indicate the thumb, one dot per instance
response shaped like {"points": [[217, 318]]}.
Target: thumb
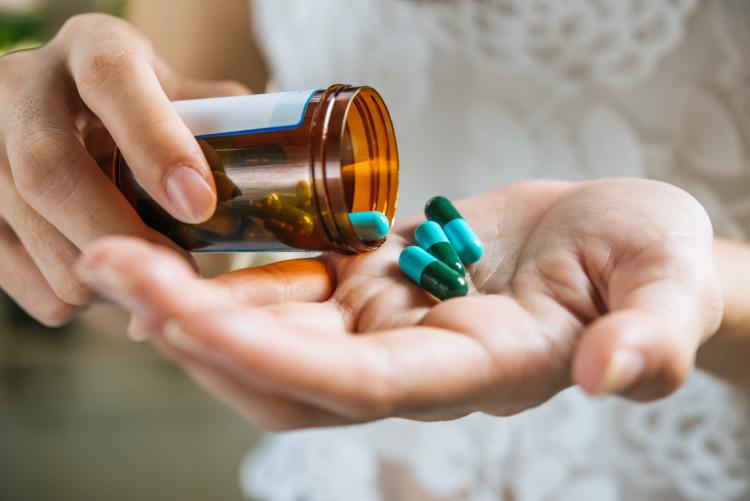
{"points": [[646, 347]]}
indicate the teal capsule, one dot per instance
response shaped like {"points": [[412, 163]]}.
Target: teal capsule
{"points": [[370, 226], [432, 275], [467, 244], [431, 237]]}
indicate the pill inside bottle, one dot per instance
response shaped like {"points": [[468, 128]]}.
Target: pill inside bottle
{"points": [[293, 171]]}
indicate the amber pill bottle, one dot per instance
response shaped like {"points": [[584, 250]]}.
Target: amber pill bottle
{"points": [[289, 169]]}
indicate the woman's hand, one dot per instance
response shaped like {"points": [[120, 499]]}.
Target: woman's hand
{"points": [[60, 107], [607, 284]]}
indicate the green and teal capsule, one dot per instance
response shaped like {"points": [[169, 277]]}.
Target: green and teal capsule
{"points": [[432, 275], [431, 237], [466, 243], [370, 226]]}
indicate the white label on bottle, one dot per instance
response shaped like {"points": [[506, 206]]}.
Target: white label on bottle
{"points": [[224, 116]]}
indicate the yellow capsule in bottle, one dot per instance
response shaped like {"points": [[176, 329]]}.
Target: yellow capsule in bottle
{"points": [[304, 194], [285, 158]]}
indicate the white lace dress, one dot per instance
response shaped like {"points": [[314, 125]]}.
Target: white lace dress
{"points": [[484, 92]]}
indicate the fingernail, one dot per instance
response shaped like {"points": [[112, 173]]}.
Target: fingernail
{"points": [[175, 335], [190, 194], [115, 287], [104, 276], [625, 368]]}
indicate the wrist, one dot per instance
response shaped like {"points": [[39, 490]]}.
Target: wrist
{"points": [[727, 353]]}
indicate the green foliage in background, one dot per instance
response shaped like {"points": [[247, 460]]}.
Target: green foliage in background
{"points": [[22, 31]]}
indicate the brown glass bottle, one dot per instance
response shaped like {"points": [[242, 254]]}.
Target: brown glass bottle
{"points": [[290, 187]]}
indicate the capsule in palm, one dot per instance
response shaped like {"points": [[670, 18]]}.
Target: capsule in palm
{"points": [[467, 244], [432, 275], [431, 237]]}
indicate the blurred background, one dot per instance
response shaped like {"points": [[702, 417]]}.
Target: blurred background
{"points": [[84, 412]]}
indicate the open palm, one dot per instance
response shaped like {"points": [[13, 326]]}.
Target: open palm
{"points": [[608, 284]]}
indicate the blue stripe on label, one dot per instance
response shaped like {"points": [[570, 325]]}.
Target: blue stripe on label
{"points": [[287, 111], [282, 114]]}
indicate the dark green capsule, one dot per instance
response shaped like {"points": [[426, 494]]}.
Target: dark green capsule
{"points": [[431, 237], [432, 275], [467, 244], [441, 210]]}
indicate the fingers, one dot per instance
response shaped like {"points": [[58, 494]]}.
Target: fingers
{"points": [[304, 280], [298, 351], [225, 382], [167, 284], [22, 281], [633, 353], [145, 278], [266, 410], [303, 352], [360, 377], [53, 254], [334, 372], [55, 196], [646, 347], [113, 69], [55, 175]]}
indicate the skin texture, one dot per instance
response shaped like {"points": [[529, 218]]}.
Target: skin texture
{"points": [[607, 284], [62, 109], [727, 353]]}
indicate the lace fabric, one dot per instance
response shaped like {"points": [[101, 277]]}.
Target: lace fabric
{"points": [[514, 89]]}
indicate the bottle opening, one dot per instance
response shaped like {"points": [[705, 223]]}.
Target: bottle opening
{"points": [[361, 165]]}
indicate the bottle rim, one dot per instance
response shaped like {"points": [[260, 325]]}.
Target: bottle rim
{"points": [[375, 179]]}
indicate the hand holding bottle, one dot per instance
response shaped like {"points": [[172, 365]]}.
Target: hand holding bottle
{"points": [[61, 106]]}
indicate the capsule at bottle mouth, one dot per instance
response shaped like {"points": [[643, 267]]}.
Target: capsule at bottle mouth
{"points": [[356, 169]]}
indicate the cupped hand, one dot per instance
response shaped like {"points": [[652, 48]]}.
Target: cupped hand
{"points": [[607, 284], [60, 108]]}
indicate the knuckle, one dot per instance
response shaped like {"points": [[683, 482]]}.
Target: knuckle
{"points": [[107, 64], [39, 156]]}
